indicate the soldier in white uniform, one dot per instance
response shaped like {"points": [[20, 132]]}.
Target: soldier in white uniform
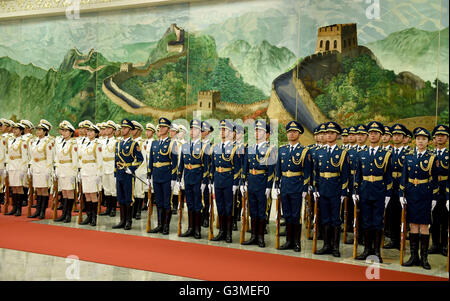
{"points": [[150, 130], [28, 138], [108, 179], [141, 172], [66, 162], [4, 138], [91, 162], [17, 163], [41, 162]]}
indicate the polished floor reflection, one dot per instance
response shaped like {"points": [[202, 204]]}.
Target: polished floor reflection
{"points": [[17, 265]]}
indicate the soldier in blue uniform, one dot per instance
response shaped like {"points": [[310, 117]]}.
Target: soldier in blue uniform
{"points": [[128, 157], [258, 171], [344, 136], [439, 225], [372, 190], [407, 139], [394, 210], [207, 129], [386, 139], [419, 190], [292, 178], [332, 170], [194, 162], [241, 149], [225, 176], [352, 150], [162, 165]]}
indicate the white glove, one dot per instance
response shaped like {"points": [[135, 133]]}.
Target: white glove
{"points": [[211, 188], [355, 198], [235, 188], [386, 201], [97, 180], [403, 201], [128, 171], [149, 182], [79, 177], [202, 187], [433, 204], [29, 172], [316, 196], [304, 195], [446, 204], [268, 192], [342, 199], [172, 184], [310, 189], [275, 193], [180, 185], [242, 189]]}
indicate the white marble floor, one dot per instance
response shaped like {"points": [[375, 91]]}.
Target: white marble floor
{"points": [[17, 265]]}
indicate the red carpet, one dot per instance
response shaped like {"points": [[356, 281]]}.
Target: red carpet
{"points": [[191, 260]]}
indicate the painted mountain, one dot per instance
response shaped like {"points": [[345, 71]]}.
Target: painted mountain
{"points": [[259, 64], [415, 50]]}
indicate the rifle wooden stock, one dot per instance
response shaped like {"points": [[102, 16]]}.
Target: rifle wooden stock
{"points": [[403, 234], [345, 218], [5, 209], [308, 215], [100, 199], [211, 215], [277, 229], [244, 213], [355, 230], [30, 195], [55, 198], [316, 222], [80, 212], [180, 212], [150, 209]]}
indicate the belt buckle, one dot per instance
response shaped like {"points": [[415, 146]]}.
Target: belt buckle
{"points": [[416, 182], [36, 160], [189, 166], [253, 171], [220, 169]]}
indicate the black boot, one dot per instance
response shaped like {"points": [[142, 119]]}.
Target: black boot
{"points": [[14, 204], [261, 227], [160, 214], [336, 239], [68, 218], [253, 238], [424, 243], [38, 207], [166, 223], [128, 217], [297, 234], [289, 237], [121, 224], [436, 247], [94, 210], [377, 244], [414, 246], [63, 212], [205, 217], [197, 226], [21, 199], [222, 229], [190, 230], [44, 206], [367, 246], [113, 201], [326, 249], [61, 203], [229, 237], [108, 206], [138, 208], [88, 206]]}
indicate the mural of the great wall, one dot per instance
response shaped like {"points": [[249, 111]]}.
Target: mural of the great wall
{"points": [[273, 61]]}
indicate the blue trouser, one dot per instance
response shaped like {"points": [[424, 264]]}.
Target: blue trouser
{"points": [[257, 203], [125, 188], [162, 194], [291, 204], [372, 214], [194, 197], [330, 210], [224, 200]]}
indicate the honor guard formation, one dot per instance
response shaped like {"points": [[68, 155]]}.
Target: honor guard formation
{"points": [[372, 186]]}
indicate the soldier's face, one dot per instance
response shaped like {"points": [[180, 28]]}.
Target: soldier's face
{"points": [[374, 137], [108, 131], [239, 136], [195, 133], [149, 133], [16, 132], [163, 130], [345, 139], [331, 137], [65, 133], [125, 131], [351, 138], [386, 138], [91, 134], [405, 140], [293, 136], [361, 138], [40, 133], [422, 142], [441, 139], [397, 138], [260, 134]]}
